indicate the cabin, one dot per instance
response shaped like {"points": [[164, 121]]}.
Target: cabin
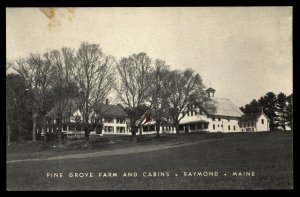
{"points": [[254, 122], [148, 124]]}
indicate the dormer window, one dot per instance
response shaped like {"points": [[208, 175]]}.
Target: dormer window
{"points": [[262, 121]]}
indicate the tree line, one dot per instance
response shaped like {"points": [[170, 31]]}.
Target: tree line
{"points": [[278, 108], [88, 75]]}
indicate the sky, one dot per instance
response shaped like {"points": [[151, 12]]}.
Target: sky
{"points": [[242, 52]]}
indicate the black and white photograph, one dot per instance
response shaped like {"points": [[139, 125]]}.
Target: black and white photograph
{"points": [[149, 98]]}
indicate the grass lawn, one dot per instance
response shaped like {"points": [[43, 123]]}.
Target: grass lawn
{"points": [[269, 155]]}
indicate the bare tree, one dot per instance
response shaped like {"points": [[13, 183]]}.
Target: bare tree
{"points": [[17, 96], [187, 89], [159, 92], [8, 105], [133, 89], [63, 67], [94, 77], [37, 74]]}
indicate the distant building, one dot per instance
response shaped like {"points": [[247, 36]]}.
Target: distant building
{"points": [[255, 122], [113, 118], [226, 118], [148, 125]]}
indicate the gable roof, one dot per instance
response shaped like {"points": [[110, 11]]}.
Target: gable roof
{"points": [[70, 108], [110, 110], [210, 90], [103, 109], [252, 117], [224, 107]]}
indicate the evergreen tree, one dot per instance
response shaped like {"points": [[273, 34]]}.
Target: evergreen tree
{"points": [[289, 111], [268, 103], [281, 105]]}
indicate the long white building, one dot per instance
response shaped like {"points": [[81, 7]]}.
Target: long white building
{"points": [[226, 118]]}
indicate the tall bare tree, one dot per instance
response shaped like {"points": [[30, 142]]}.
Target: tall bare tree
{"points": [[94, 77], [8, 105], [63, 67], [159, 92], [17, 100], [37, 73], [133, 89], [187, 90]]}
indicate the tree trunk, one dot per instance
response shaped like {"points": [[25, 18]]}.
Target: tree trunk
{"points": [[8, 133], [86, 133], [44, 128], [157, 129], [19, 134], [59, 133], [34, 127], [177, 128], [186, 129], [133, 134]]}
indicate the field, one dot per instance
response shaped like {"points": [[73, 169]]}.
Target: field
{"points": [[165, 163]]}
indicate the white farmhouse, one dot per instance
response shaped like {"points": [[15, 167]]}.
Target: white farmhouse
{"points": [[226, 118], [113, 119]]}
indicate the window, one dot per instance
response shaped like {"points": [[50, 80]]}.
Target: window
{"points": [[205, 126], [228, 127], [228, 120], [219, 119], [234, 128], [109, 129], [213, 126], [77, 119], [120, 129], [218, 125], [145, 129], [262, 121], [248, 124], [213, 118], [151, 128]]}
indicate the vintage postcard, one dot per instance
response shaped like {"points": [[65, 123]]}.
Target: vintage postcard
{"points": [[149, 98]]}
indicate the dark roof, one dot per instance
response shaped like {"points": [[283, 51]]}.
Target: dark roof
{"points": [[105, 110], [210, 90], [70, 108], [224, 107], [110, 110], [250, 117]]}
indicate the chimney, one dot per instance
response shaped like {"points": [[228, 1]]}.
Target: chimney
{"points": [[210, 92], [106, 101]]}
